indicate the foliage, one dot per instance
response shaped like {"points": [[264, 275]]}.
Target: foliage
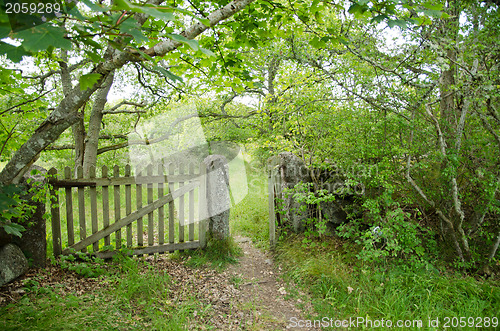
{"points": [[10, 207], [342, 287], [83, 264]]}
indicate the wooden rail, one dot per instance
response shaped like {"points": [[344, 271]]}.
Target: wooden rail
{"points": [[97, 225]]}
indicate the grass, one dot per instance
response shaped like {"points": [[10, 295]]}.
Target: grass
{"points": [[133, 300], [341, 289], [250, 216], [218, 254]]}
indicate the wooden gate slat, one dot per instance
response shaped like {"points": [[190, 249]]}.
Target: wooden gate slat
{"points": [[105, 206], [171, 207], [161, 210], [138, 203], [202, 210], [56, 217], [70, 228], [191, 206], [118, 233], [128, 205], [93, 208], [76, 182], [272, 215], [81, 208], [150, 215], [181, 207], [132, 217]]}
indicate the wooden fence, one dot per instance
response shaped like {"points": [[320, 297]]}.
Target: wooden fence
{"points": [[274, 189], [167, 183]]}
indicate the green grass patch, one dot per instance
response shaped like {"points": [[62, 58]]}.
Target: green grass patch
{"points": [[250, 216], [218, 254], [136, 297], [342, 290]]}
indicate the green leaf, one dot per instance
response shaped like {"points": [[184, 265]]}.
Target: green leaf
{"points": [[14, 229], [207, 52], [204, 21], [401, 23], [15, 54], [160, 12], [42, 37], [131, 27], [95, 7], [317, 43], [191, 42], [432, 13], [165, 73], [379, 18], [88, 81], [432, 6], [95, 57]]}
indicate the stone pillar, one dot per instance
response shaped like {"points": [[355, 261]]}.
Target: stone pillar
{"points": [[291, 170], [218, 196]]}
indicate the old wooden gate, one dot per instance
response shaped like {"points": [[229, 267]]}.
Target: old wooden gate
{"points": [[177, 188]]}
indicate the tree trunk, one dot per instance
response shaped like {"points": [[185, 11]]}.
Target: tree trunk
{"points": [[90, 155], [79, 138]]}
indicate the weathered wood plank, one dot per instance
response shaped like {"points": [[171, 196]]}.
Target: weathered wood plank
{"points": [[272, 215], [56, 217], [202, 206], [181, 207], [128, 205], [132, 217], [151, 234], [77, 182], [93, 207], [138, 203], [118, 233], [154, 249], [161, 210], [70, 228], [81, 208], [191, 207], [171, 207], [105, 206]]}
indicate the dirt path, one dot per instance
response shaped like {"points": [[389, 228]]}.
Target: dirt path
{"points": [[263, 297]]}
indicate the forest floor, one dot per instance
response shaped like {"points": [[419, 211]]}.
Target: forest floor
{"points": [[249, 295]]}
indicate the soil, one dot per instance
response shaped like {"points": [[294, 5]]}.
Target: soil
{"points": [[271, 302], [249, 295]]}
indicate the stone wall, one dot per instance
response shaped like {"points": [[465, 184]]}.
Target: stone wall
{"points": [[287, 170], [290, 170]]}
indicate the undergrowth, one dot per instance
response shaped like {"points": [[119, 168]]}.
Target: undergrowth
{"points": [[131, 295], [218, 254], [344, 287]]}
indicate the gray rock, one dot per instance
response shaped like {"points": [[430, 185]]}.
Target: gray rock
{"points": [[13, 263], [218, 195], [290, 171]]}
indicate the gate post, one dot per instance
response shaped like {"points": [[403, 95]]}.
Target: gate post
{"points": [[218, 196]]}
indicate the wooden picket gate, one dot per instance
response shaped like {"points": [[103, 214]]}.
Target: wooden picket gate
{"points": [[168, 183]]}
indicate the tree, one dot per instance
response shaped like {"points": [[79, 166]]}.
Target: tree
{"points": [[119, 51]]}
